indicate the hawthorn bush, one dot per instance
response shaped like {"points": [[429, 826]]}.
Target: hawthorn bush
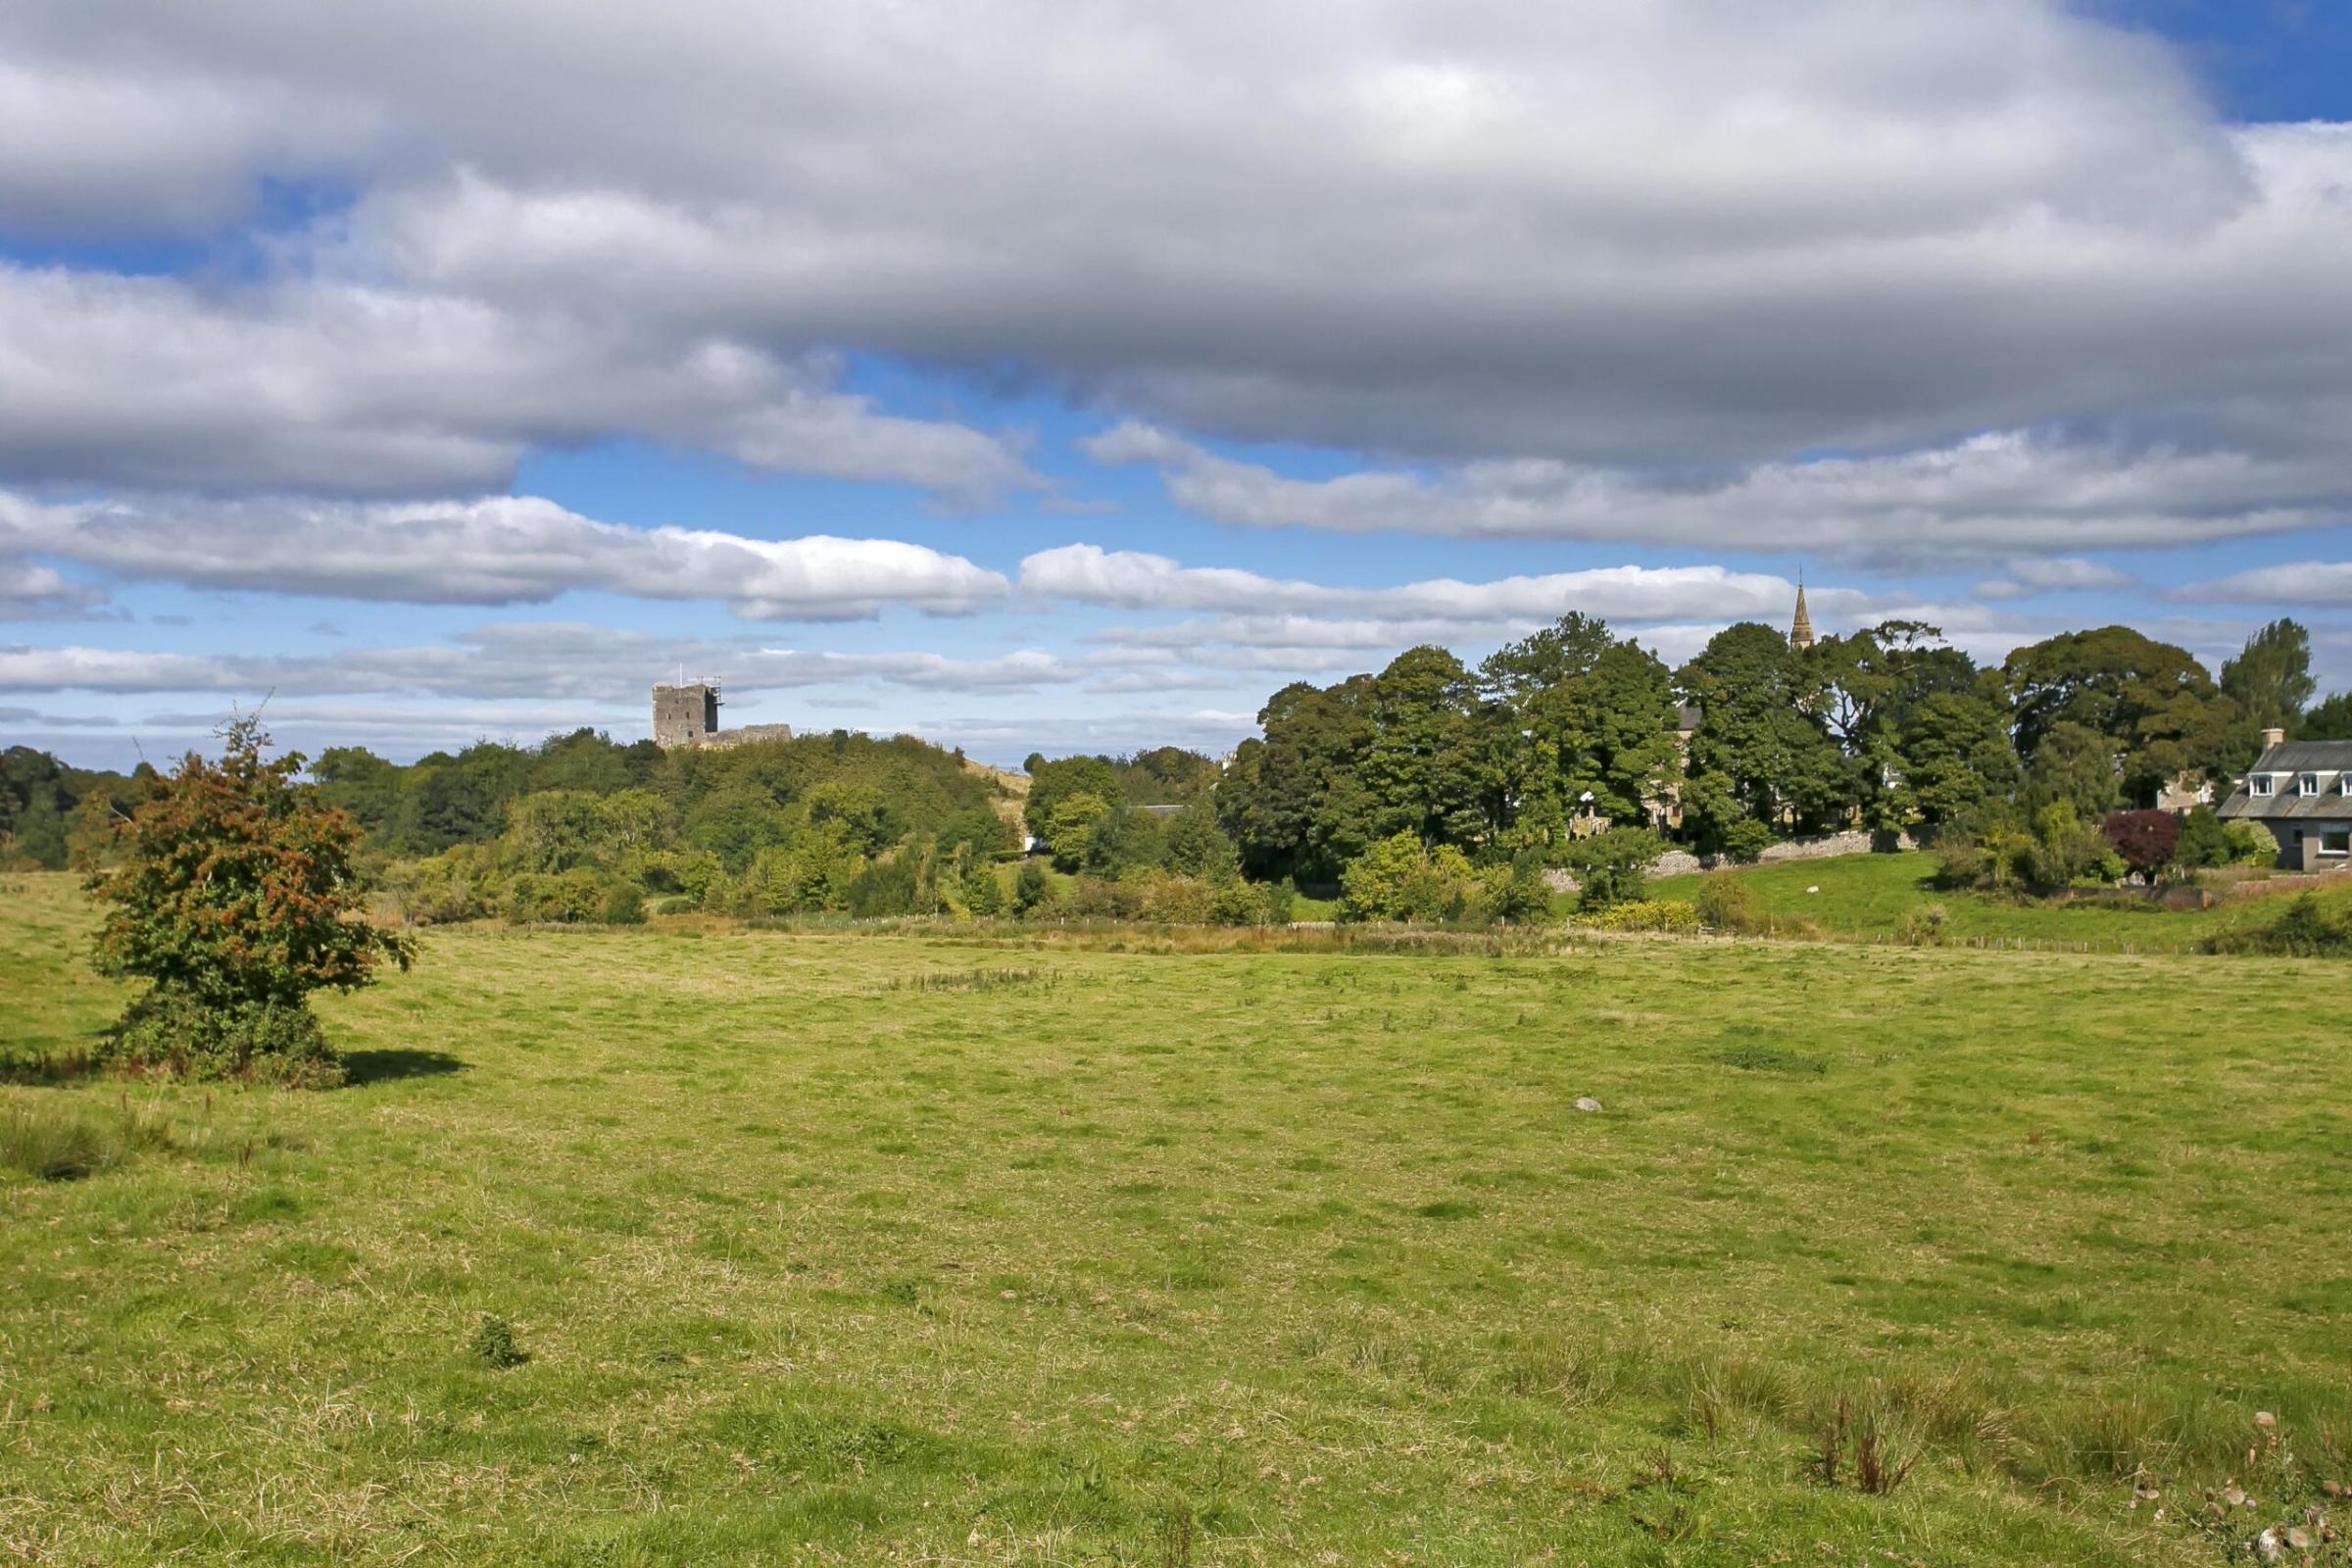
{"points": [[235, 899]]}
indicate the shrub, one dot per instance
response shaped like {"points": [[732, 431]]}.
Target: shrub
{"points": [[1726, 903], [1097, 898], [1234, 902], [625, 904], [1644, 915], [237, 896], [1925, 926], [1280, 898], [1179, 901], [170, 1030], [1518, 893], [2204, 841], [2146, 840], [1746, 840], [2303, 930], [566, 898], [1401, 878], [1032, 894], [1612, 867], [2250, 844], [454, 885]]}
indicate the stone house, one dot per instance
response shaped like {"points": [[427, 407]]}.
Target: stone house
{"points": [[2301, 790]]}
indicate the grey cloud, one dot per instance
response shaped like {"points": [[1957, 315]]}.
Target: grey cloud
{"points": [[29, 715], [352, 388], [1991, 495], [1681, 233]]}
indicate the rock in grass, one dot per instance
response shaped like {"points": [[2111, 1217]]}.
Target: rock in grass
{"points": [[1586, 1102]]}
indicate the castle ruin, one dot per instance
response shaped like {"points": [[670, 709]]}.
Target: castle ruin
{"points": [[687, 716]]}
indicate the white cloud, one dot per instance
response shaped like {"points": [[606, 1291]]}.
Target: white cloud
{"points": [[1136, 580], [491, 550], [2323, 583], [534, 661], [29, 592]]}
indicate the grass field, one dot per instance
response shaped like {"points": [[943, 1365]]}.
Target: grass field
{"points": [[1869, 895], [839, 1248]]}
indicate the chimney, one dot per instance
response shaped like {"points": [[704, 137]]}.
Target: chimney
{"points": [[2274, 736]]}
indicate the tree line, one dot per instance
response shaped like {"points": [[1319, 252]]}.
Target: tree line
{"points": [[1564, 749], [1557, 735]]}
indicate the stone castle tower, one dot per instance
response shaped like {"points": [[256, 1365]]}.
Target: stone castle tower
{"points": [[1800, 630], [687, 714]]}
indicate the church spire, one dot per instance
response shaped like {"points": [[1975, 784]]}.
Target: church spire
{"points": [[1800, 630]]}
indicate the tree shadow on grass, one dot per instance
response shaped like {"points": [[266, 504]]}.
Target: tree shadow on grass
{"points": [[361, 1067]]}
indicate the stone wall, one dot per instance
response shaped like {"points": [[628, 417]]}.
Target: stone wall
{"points": [[745, 735], [1681, 863]]}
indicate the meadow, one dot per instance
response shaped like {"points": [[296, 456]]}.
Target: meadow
{"points": [[692, 1243], [1868, 897]]}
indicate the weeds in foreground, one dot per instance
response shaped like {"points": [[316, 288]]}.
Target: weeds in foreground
{"points": [[979, 979], [494, 1344], [56, 1143]]}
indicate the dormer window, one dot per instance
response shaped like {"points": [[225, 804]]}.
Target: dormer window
{"points": [[2307, 784], [2343, 783], [2258, 785]]}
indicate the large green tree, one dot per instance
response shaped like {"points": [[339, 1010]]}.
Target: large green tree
{"points": [[2270, 678], [1956, 758], [1051, 783], [2158, 708], [1296, 803], [1425, 762], [1760, 727]]}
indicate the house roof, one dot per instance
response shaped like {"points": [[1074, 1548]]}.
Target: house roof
{"points": [[2329, 758], [2306, 757]]}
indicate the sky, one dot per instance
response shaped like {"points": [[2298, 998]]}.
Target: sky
{"points": [[1032, 376]]}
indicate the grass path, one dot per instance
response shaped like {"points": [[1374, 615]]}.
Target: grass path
{"points": [[1216, 1258]]}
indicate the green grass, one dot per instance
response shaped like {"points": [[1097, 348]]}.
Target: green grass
{"points": [[1869, 895], [695, 1244]]}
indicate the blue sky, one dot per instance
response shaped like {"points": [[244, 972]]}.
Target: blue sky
{"points": [[1032, 379]]}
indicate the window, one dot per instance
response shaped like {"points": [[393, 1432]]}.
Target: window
{"points": [[2336, 841], [2258, 784], [2308, 784], [2344, 782]]}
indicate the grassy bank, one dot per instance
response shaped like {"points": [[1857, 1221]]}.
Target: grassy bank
{"points": [[854, 1249]]}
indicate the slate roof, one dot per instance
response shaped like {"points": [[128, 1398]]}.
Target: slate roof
{"points": [[2331, 759]]}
